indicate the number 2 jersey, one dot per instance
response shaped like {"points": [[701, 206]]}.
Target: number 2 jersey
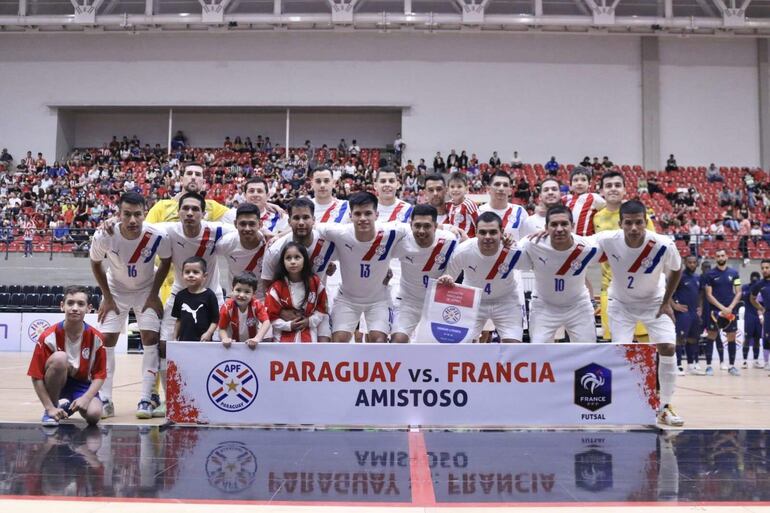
{"points": [[130, 263], [639, 273]]}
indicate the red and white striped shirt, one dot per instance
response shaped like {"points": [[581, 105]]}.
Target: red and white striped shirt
{"points": [[463, 216], [584, 207], [87, 357]]}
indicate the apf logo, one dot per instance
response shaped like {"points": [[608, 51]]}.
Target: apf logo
{"points": [[232, 386], [451, 315], [593, 387], [36, 328], [231, 467]]}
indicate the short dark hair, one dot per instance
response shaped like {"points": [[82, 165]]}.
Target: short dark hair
{"points": [[765, 261], [247, 278], [195, 196], [490, 217], [612, 174], [189, 163], [132, 198], [753, 275], [558, 209], [71, 290], [631, 207], [360, 199], [302, 203], [425, 210], [503, 174], [248, 209], [580, 170], [434, 178], [550, 179], [458, 177], [385, 169], [196, 260], [254, 181], [319, 169]]}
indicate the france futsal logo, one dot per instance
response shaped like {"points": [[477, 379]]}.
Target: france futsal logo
{"points": [[593, 387], [232, 386]]}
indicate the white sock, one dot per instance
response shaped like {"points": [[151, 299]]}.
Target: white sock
{"points": [[150, 362], [667, 378], [106, 391], [163, 367]]}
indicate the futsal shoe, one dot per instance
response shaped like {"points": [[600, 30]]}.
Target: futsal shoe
{"points": [[668, 417], [758, 364], [108, 409], [694, 370], [723, 366], [745, 364], [680, 371], [144, 410], [160, 411], [709, 370], [734, 371], [48, 421]]}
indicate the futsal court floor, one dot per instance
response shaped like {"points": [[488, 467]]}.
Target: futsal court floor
{"points": [[719, 462]]}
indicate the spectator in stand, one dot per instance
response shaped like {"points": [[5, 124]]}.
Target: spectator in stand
{"points": [[744, 231], [726, 198], [670, 190], [267, 146], [552, 167], [462, 161], [28, 229], [756, 232], [6, 159], [696, 236], [596, 165], [652, 184], [641, 185], [473, 165], [451, 160], [179, 142], [717, 230], [713, 174], [228, 144], [516, 161], [27, 163], [729, 221], [398, 147], [671, 163], [422, 169], [7, 231], [438, 163], [766, 231], [586, 162], [607, 163], [751, 198], [342, 148], [523, 191], [40, 163], [494, 161], [354, 149]]}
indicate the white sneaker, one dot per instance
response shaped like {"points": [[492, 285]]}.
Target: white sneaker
{"points": [[696, 371], [734, 371], [745, 364], [668, 417], [680, 371], [723, 366], [758, 364]]}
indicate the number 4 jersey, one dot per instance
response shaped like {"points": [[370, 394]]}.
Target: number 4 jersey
{"points": [[130, 263]]}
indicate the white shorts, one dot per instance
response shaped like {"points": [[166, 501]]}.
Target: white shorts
{"points": [[406, 316], [346, 315], [168, 323], [623, 318], [545, 320], [506, 316], [126, 301]]}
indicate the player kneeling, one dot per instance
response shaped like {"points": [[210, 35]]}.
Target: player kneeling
{"points": [[69, 364]]}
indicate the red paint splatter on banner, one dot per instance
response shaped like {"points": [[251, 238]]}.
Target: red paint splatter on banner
{"points": [[179, 408], [642, 358]]}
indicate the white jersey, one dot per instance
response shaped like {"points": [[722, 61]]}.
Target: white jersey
{"points": [[533, 224], [240, 259], [638, 274], [203, 245], [583, 207], [321, 252], [273, 222], [130, 263], [364, 264], [400, 211], [560, 276], [337, 211], [492, 274], [513, 217], [418, 264]]}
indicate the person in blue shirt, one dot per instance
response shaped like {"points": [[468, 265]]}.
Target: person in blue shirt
{"points": [[687, 312], [762, 288], [752, 327], [723, 292], [552, 167]]}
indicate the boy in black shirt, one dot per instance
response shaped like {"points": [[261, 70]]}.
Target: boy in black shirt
{"points": [[195, 308]]}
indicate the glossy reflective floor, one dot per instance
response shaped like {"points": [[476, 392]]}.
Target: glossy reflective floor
{"points": [[386, 468]]}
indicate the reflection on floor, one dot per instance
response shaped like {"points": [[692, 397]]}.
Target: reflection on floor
{"points": [[220, 464]]}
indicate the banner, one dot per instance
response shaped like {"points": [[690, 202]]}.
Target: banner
{"points": [[412, 384], [449, 314], [35, 323], [10, 332]]}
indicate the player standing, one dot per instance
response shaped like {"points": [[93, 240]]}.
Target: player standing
{"points": [[272, 219], [328, 209], [723, 292], [244, 249], [435, 196], [513, 216], [646, 269], [424, 255], [752, 326], [761, 289], [688, 308], [488, 265], [561, 297], [389, 208], [131, 282], [550, 196]]}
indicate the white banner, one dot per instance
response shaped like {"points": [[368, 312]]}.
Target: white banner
{"points": [[35, 323], [10, 332], [412, 384], [449, 314]]}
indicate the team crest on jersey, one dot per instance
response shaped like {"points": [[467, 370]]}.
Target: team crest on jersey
{"points": [[231, 467], [647, 262], [380, 250], [459, 218], [440, 259], [451, 315], [251, 322], [146, 252], [36, 328], [317, 261], [232, 386], [576, 265], [86, 353]]}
